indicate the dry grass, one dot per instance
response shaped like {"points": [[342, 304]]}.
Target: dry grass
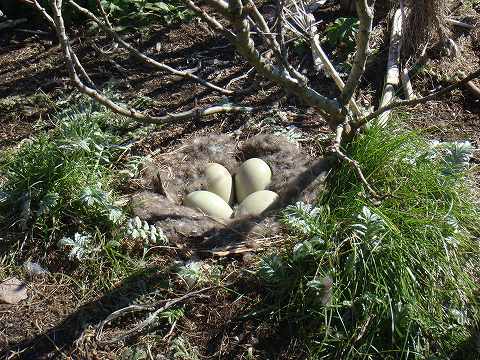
{"points": [[425, 24]]}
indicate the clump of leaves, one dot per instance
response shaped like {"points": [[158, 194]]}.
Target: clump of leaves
{"points": [[342, 32], [79, 247], [145, 11], [393, 277]]}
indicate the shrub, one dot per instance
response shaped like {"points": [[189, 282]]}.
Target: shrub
{"points": [[390, 280]]}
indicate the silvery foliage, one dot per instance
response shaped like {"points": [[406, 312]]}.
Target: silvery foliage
{"points": [[101, 200], [455, 155], [150, 234], [272, 269], [80, 246], [369, 226], [190, 272], [308, 248], [303, 218]]}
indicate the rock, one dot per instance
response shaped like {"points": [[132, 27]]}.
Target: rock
{"points": [[12, 291]]}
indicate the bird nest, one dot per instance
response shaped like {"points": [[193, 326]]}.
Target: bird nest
{"points": [[171, 176]]}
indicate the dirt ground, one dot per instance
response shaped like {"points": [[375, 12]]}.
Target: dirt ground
{"points": [[33, 76]]}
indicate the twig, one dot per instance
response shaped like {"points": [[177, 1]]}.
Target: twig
{"points": [[11, 23], [460, 23], [417, 101], [365, 15], [474, 89], [318, 53], [119, 109], [146, 59], [35, 32], [352, 162], [265, 31], [170, 331], [155, 308], [239, 78]]}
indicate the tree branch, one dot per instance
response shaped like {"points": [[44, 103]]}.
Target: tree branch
{"points": [[246, 47], [146, 59], [132, 113], [318, 53], [417, 101], [338, 151], [365, 15]]}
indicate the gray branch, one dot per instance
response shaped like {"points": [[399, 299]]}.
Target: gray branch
{"points": [[417, 101], [129, 112], [146, 59], [365, 15]]}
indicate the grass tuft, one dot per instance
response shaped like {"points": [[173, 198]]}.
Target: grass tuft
{"points": [[392, 280], [63, 182]]}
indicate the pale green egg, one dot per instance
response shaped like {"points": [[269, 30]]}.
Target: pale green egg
{"points": [[256, 203], [209, 203], [254, 175], [219, 181]]}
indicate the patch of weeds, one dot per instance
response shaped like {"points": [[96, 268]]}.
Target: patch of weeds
{"points": [[390, 280], [341, 33], [62, 184], [146, 11], [181, 349]]}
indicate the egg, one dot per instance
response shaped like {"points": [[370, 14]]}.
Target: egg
{"points": [[219, 181], [256, 203], [209, 203], [254, 175]]}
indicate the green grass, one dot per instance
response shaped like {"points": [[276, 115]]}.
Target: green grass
{"points": [[64, 181], [391, 280]]}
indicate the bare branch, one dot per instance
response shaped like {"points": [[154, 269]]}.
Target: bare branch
{"points": [[417, 101], [459, 23], [132, 113], [143, 57], [155, 309], [11, 23], [246, 47], [209, 19], [338, 151], [259, 21], [392, 76], [407, 84], [352, 162], [365, 15], [318, 53]]}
